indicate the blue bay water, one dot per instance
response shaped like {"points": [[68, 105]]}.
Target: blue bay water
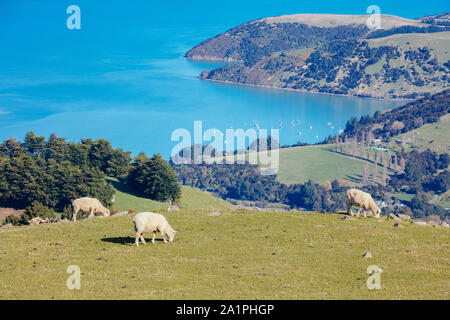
{"points": [[123, 77]]}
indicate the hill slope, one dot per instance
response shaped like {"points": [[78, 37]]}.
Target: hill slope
{"points": [[333, 20], [191, 198], [333, 54], [238, 255], [390, 123], [433, 136], [318, 163]]}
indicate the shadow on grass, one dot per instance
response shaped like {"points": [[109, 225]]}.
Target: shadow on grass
{"points": [[126, 240], [122, 187], [355, 178]]}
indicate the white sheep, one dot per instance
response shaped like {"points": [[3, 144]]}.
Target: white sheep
{"points": [[152, 222], [362, 200], [90, 205]]}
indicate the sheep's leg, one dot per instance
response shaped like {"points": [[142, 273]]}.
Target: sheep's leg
{"points": [[74, 215], [349, 209], [359, 211], [365, 213], [91, 213], [142, 239], [138, 234], [154, 235]]}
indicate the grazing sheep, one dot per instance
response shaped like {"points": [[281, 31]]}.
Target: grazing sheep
{"points": [[152, 222], [362, 200], [90, 205]]}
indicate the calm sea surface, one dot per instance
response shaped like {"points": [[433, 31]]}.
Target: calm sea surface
{"points": [[123, 77]]}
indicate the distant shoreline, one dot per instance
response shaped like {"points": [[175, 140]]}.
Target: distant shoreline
{"points": [[303, 90], [210, 60]]}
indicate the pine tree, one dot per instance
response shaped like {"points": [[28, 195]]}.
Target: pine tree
{"points": [[370, 137], [389, 159], [384, 176], [346, 144], [365, 175], [402, 164], [56, 148], [154, 178], [361, 151], [403, 144], [395, 162], [33, 144], [375, 172]]}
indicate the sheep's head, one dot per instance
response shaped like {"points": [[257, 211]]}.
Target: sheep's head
{"points": [[170, 235], [377, 212], [106, 213]]}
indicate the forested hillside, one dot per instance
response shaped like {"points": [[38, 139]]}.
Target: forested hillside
{"points": [[330, 54], [413, 115]]}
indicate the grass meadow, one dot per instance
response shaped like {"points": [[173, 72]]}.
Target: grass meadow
{"points": [[235, 255]]}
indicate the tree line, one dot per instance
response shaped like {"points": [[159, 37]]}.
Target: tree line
{"points": [[52, 172], [245, 182], [414, 173], [410, 116]]}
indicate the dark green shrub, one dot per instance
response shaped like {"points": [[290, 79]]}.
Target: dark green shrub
{"points": [[14, 220], [67, 213], [37, 210]]}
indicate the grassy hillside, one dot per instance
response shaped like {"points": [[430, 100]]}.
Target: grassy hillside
{"points": [[191, 198], [318, 163], [332, 54], [237, 255], [434, 136], [439, 41], [333, 20]]}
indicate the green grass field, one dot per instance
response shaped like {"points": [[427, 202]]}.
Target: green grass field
{"points": [[318, 163], [403, 196], [434, 136], [237, 255], [191, 198]]}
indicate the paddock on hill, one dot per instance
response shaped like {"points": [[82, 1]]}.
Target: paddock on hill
{"points": [[234, 255]]}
